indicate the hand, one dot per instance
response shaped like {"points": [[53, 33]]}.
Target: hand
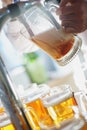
{"points": [[73, 15], [7, 2]]}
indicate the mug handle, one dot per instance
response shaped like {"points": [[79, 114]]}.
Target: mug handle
{"points": [[30, 113]]}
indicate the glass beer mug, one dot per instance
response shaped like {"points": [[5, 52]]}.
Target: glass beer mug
{"points": [[35, 111], [5, 122], [61, 104], [40, 27]]}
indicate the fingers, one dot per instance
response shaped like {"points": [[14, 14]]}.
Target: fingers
{"points": [[72, 17], [74, 30], [64, 2], [70, 9], [72, 26], [72, 23]]}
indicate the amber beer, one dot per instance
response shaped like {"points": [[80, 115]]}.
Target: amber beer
{"points": [[64, 109], [39, 114], [32, 118], [7, 127], [85, 126], [55, 42], [62, 104], [36, 113], [5, 122]]}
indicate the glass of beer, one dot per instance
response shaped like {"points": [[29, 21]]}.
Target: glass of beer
{"points": [[47, 34], [34, 23], [35, 111], [5, 122], [61, 104]]}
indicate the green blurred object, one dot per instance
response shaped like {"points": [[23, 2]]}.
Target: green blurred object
{"points": [[35, 67]]}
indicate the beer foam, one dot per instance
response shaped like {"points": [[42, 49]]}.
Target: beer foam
{"points": [[51, 35], [57, 98]]}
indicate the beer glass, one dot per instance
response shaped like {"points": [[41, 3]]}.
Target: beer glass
{"points": [[5, 122], [35, 112], [61, 100], [41, 28], [50, 36]]}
